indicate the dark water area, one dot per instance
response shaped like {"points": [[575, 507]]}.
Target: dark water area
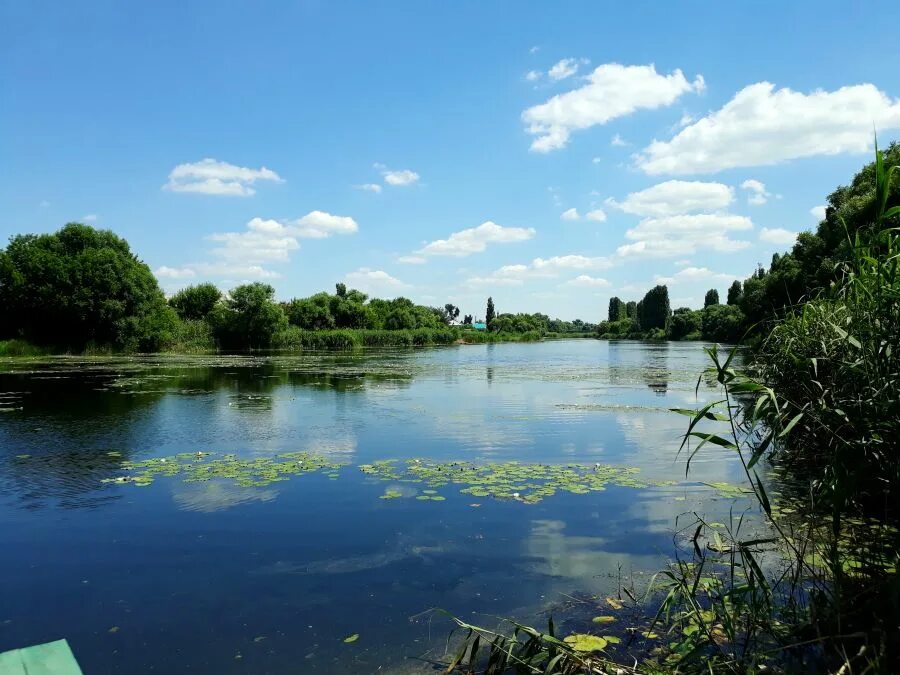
{"points": [[219, 577]]}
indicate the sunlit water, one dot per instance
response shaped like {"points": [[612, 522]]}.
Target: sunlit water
{"points": [[215, 578]]}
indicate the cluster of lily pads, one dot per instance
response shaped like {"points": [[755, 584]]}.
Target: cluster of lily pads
{"points": [[525, 482], [245, 472]]}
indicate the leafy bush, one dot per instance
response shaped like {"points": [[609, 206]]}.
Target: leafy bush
{"points": [[79, 286], [195, 302]]}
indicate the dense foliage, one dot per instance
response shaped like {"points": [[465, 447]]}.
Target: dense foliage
{"points": [[81, 286], [616, 309], [195, 302]]}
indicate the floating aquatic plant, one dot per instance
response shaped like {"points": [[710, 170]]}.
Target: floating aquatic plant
{"points": [[201, 467], [528, 483]]}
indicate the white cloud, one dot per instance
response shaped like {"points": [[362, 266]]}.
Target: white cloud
{"points": [[533, 75], [693, 274], [758, 193], [174, 272], [478, 282], [212, 177], [563, 69], [476, 239], [235, 272], [369, 187], [534, 50], [597, 215], [596, 160], [90, 218], [572, 262], [684, 234], [320, 225], [762, 126], [373, 281], [818, 212], [412, 260], [585, 280], [612, 90], [397, 178], [570, 214], [255, 245], [618, 142], [675, 197], [777, 235], [269, 240], [540, 268]]}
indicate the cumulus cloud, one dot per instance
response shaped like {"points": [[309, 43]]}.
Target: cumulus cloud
{"points": [[675, 197], [758, 193], [265, 240], [320, 225], [89, 218], [684, 234], [762, 126], [369, 187], [597, 215], [234, 272], [611, 91], [539, 268], [692, 274], [587, 281], [212, 177], [571, 262], [476, 239], [412, 260], [618, 142], [398, 178], [563, 69], [373, 281], [818, 212], [254, 245], [533, 75], [777, 235], [570, 214], [165, 272]]}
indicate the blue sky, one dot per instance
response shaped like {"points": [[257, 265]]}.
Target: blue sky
{"points": [[548, 154]]}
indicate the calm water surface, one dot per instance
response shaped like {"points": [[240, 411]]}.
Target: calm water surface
{"points": [[211, 577]]}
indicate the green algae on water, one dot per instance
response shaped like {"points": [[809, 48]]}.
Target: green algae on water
{"points": [[525, 482]]}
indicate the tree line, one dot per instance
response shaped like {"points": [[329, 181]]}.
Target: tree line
{"points": [[84, 289]]}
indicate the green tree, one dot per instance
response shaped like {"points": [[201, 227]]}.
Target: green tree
{"points": [[451, 312], [631, 309], [195, 302], [685, 323], [654, 309], [249, 318], [616, 310], [722, 323], [735, 293], [489, 313], [712, 297], [79, 286], [312, 313]]}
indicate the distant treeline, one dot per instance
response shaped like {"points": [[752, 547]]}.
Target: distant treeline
{"points": [[83, 290], [653, 319]]}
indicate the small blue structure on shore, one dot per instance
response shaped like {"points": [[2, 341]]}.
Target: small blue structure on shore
{"points": [[479, 325]]}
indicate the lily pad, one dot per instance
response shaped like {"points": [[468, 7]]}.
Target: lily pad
{"points": [[351, 638], [603, 619], [583, 642]]}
